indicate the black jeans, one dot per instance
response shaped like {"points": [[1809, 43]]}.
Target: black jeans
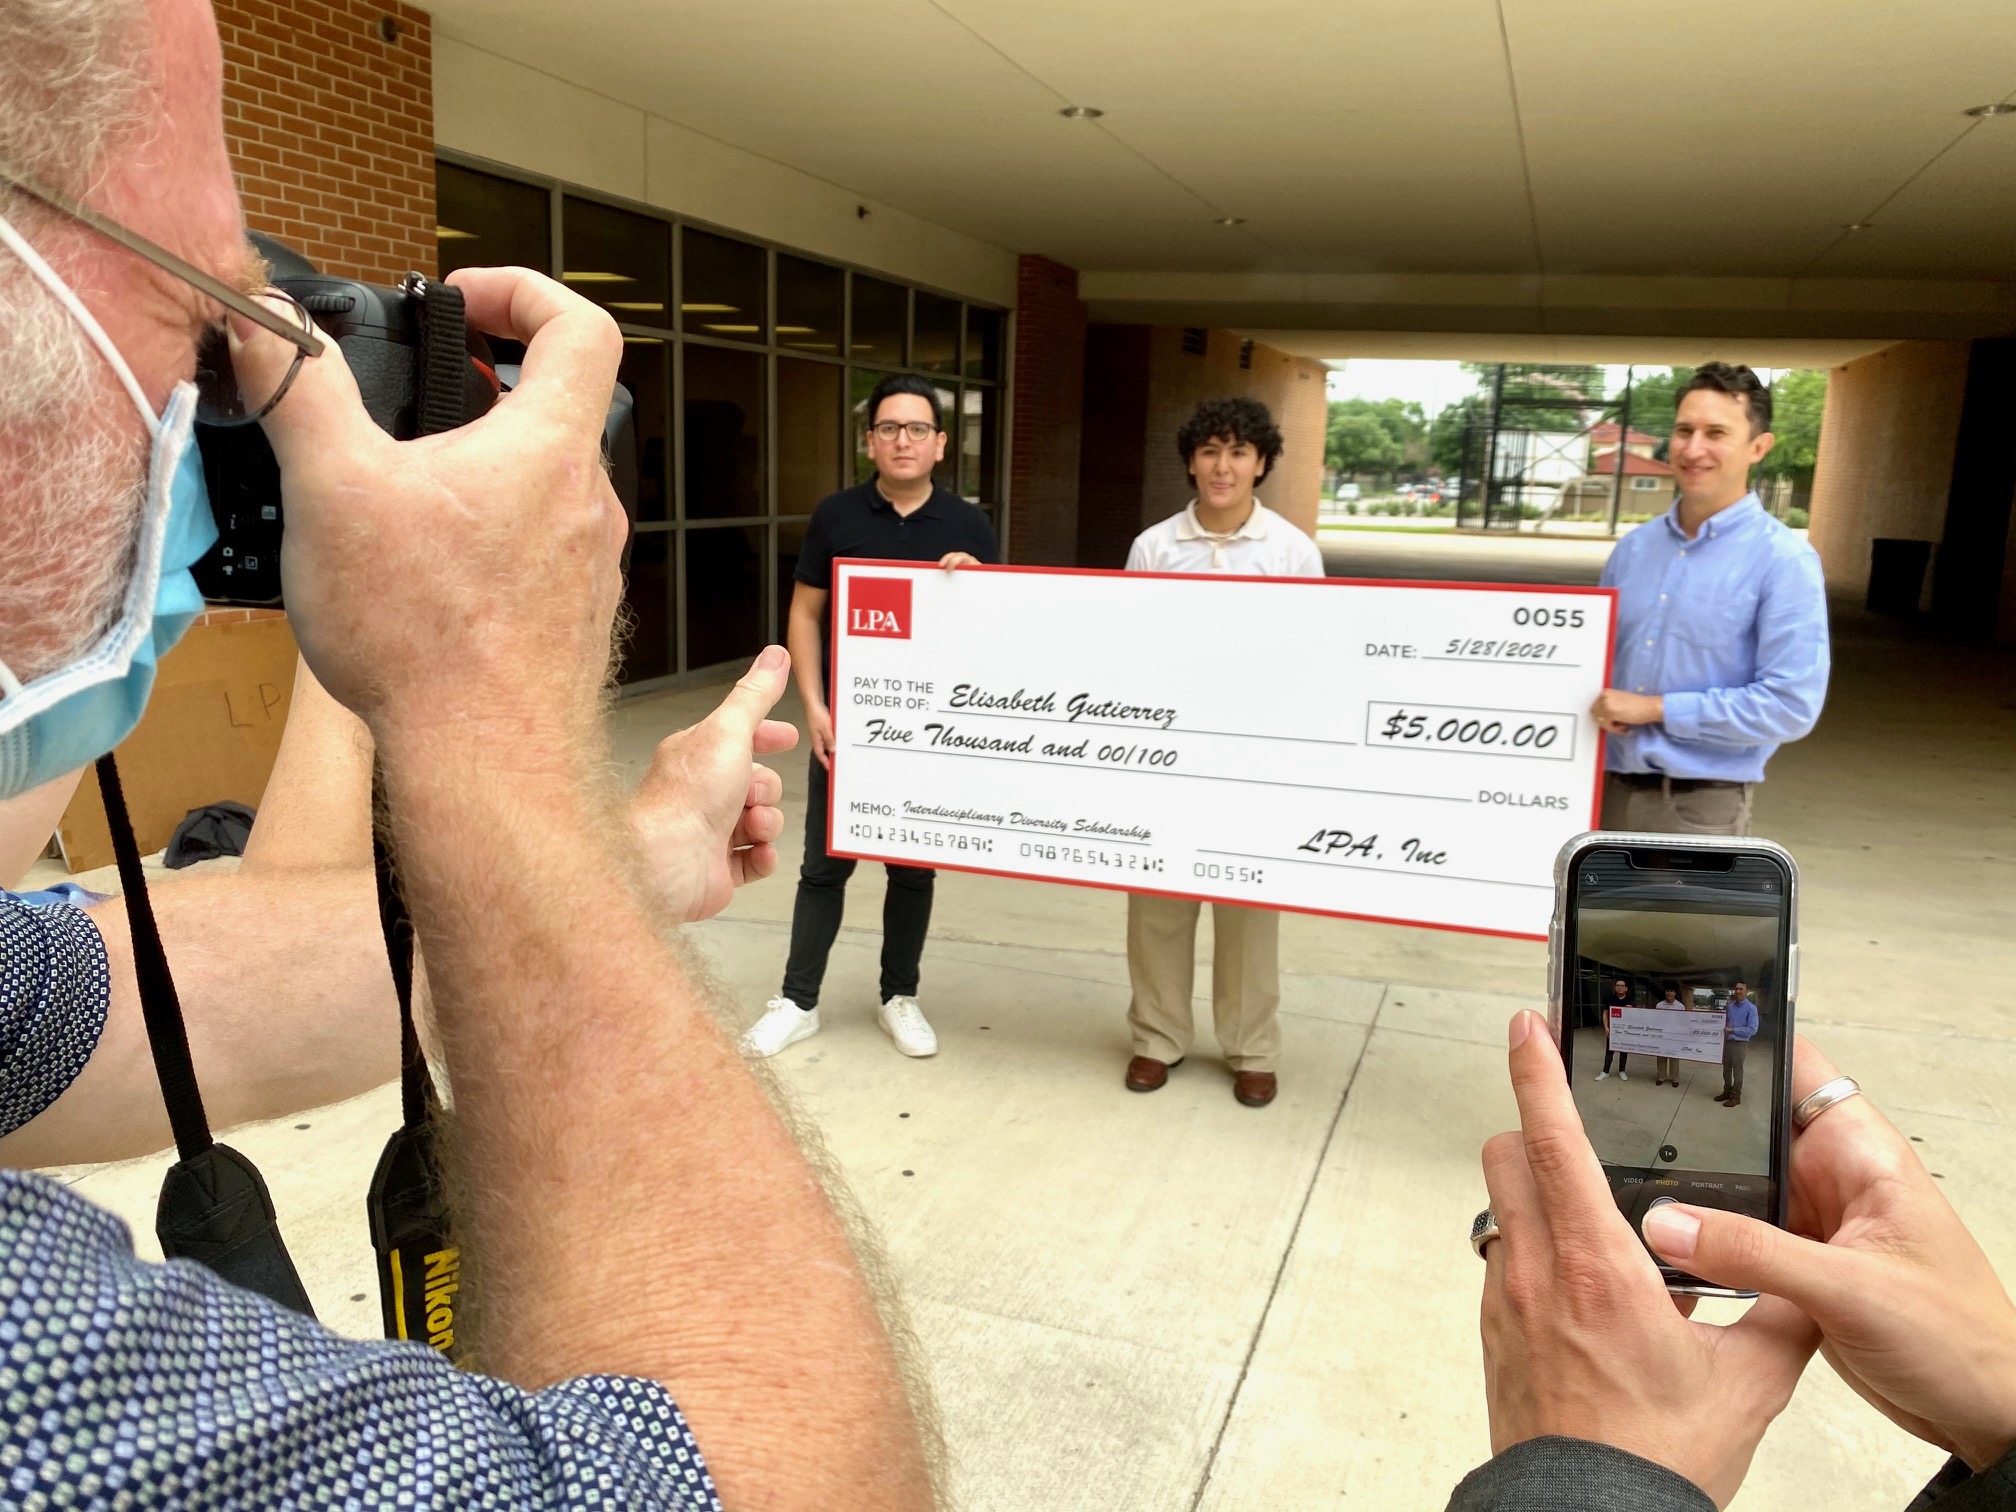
{"points": [[1623, 1059], [822, 898]]}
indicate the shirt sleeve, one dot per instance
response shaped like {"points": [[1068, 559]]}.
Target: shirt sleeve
{"points": [[55, 988], [1782, 701], [1574, 1475], [1137, 555], [1957, 1489], [990, 543], [815, 556], [206, 1397]]}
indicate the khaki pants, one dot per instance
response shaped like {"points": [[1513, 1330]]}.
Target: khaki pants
{"points": [[1734, 1053], [1655, 810], [1245, 979]]}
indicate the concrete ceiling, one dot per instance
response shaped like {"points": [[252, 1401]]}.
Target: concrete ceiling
{"points": [[1549, 140]]}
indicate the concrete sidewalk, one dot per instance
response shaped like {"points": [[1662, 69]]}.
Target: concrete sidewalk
{"points": [[1174, 1302]]}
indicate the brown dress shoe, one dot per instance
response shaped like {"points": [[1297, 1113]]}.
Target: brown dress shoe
{"points": [[1146, 1074], [1253, 1088], [1734, 1102]]}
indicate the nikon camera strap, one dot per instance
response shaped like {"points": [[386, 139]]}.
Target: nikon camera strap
{"points": [[419, 1265], [214, 1207]]}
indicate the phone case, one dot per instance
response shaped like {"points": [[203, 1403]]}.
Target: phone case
{"points": [[1557, 976]]}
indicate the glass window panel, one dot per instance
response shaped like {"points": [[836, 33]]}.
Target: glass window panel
{"points": [[983, 342], [946, 473], [648, 652], [809, 425], [623, 262], [980, 444], [483, 221], [934, 339], [643, 373], [809, 300], [721, 286], [860, 384], [879, 311], [790, 542], [723, 407], [724, 594]]}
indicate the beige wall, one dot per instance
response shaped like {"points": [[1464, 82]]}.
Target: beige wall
{"points": [[1886, 454], [513, 115], [1292, 389]]}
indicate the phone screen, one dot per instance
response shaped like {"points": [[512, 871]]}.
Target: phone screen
{"points": [[1675, 1019]]}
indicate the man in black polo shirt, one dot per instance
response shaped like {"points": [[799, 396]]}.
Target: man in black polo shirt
{"points": [[902, 515]]}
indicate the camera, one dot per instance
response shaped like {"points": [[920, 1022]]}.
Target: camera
{"points": [[419, 369]]}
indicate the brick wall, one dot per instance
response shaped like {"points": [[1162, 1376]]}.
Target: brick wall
{"points": [[1885, 465], [332, 130], [1048, 404]]}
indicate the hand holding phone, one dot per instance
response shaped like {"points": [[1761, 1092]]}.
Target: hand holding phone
{"points": [[1911, 1312], [1580, 1337], [1672, 994]]}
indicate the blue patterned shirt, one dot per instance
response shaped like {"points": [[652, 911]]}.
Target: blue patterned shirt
{"points": [[1731, 628], [159, 1386]]}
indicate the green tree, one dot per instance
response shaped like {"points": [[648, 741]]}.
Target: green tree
{"points": [[1653, 395], [1798, 399], [1358, 443], [1446, 432]]}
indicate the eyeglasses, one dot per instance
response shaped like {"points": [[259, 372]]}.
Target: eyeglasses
{"points": [[219, 399], [916, 430]]}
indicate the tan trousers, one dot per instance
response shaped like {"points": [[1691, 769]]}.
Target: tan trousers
{"points": [[1245, 979], [1654, 810]]}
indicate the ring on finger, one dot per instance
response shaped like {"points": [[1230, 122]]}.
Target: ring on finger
{"points": [[1823, 1097], [1483, 1229]]}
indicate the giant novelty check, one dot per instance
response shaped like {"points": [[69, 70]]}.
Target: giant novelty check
{"points": [[1407, 752], [1677, 1033]]}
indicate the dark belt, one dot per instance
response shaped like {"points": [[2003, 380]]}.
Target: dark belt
{"points": [[1670, 784]]}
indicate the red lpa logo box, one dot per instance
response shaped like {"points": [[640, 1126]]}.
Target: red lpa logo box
{"points": [[879, 606]]}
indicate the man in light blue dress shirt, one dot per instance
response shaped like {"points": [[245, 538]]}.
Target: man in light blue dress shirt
{"points": [[1739, 1027], [1722, 651]]}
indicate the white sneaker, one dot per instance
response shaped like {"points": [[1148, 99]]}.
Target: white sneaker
{"points": [[903, 1021], [783, 1023], [1601, 1075], [1623, 1076]]}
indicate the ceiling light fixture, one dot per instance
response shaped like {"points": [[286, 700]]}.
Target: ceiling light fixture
{"points": [[1858, 226], [1230, 220], [1081, 112], [2001, 108]]}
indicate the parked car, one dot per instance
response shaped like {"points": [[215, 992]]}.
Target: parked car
{"points": [[1346, 491]]}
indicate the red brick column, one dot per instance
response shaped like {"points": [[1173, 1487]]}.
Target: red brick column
{"points": [[1048, 406], [331, 127]]}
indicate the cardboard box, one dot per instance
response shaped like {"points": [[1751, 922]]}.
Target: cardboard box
{"points": [[211, 732]]}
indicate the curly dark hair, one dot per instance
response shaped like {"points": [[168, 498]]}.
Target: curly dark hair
{"points": [[1739, 383], [1232, 419]]}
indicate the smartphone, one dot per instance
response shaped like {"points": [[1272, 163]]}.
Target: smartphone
{"points": [[1673, 974]]}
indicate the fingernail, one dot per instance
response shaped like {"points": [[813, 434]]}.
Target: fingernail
{"points": [[1672, 1231], [772, 658], [238, 330], [1522, 1025]]}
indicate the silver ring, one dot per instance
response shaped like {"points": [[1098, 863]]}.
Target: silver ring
{"points": [[1483, 1229], [1823, 1097]]}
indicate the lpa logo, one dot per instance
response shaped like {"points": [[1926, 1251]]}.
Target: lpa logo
{"points": [[879, 606]]}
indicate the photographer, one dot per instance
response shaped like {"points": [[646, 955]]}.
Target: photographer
{"points": [[1603, 1394], [619, 1172]]}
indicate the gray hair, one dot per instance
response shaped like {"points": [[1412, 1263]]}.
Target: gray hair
{"points": [[74, 86]]}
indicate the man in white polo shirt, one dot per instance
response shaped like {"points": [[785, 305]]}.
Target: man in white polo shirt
{"points": [[1229, 445]]}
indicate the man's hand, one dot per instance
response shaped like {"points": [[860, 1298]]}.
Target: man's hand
{"points": [[952, 561], [705, 811], [1911, 1313], [1617, 711], [819, 731], [1581, 1338], [461, 584]]}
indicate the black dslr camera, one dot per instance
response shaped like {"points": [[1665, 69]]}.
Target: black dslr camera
{"points": [[420, 369]]}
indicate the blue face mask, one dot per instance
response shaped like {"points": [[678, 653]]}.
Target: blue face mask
{"points": [[68, 718]]}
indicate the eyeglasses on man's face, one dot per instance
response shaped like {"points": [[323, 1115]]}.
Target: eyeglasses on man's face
{"points": [[916, 430], [220, 399]]}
